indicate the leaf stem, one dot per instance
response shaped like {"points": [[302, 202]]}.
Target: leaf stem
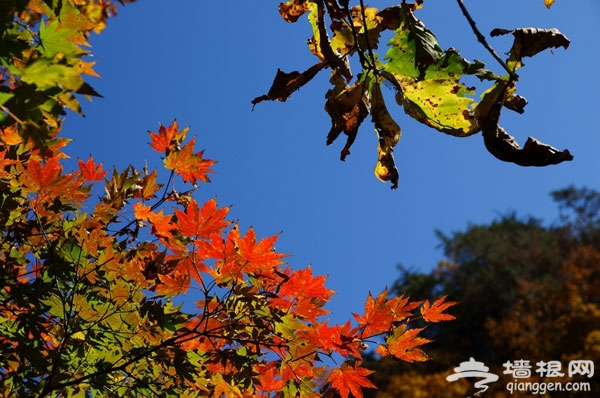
{"points": [[483, 41]]}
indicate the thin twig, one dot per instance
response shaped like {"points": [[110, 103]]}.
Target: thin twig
{"points": [[350, 23], [482, 40], [364, 20], [9, 113]]}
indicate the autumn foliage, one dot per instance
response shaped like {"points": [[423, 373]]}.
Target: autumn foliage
{"points": [[89, 297], [428, 82], [527, 291], [146, 290]]}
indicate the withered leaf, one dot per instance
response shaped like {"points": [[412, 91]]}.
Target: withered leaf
{"points": [[347, 108], [385, 169], [516, 103], [530, 41], [504, 147], [385, 125], [294, 9], [389, 133], [286, 83], [535, 153]]}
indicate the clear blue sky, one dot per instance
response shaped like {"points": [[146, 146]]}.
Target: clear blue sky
{"points": [[203, 62]]}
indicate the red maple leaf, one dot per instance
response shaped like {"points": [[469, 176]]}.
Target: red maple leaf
{"points": [[43, 175], [141, 211], [258, 257], [268, 381], [161, 224], [403, 344], [307, 294], [202, 223], [191, 167], [381, 313], [350, 378], [90, 171], [433, 313], [401, 308], [172, 285], [4, 163], [190, 265], [377, 318], [327, 338], [165, 140]]}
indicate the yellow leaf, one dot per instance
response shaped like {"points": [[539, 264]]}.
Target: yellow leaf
{"points": [[78, 336], [548, 3]]}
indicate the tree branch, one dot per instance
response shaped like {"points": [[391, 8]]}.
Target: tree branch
{"points": [[483, 41]]}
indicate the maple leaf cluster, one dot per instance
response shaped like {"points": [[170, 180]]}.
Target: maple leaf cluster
{"points": [[89, 300], [44, 61], [94, 289]]}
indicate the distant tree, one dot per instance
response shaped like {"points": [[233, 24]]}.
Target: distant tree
{"points": [[95, 290], [427, 80], [527, 291]]}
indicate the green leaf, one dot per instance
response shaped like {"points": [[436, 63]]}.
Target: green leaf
{"points": [[57, 39], [441, 104], [46, 73], [5, 97], [435, 95], [413, 48], [55, 306]]}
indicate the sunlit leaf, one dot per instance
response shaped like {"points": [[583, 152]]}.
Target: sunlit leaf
{"points": [[90, 171], [403, 344], [350, 379], [433, 312]]}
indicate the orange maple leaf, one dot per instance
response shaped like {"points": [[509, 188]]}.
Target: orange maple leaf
{"points": [[5, 163], [141, 211], [168, 138], [258, 258], [10, 135], [401, 308], [376, 319], [162, 227], [350, 378], [191, 167], [191, 266], [90, 171], [223, 388], [433, 313], [172, 285], [307, 294], [268, 381], [43, 175], [202, 223], [381, 313], [325, 337], [403, 344], [149, 185], [303, 283]]}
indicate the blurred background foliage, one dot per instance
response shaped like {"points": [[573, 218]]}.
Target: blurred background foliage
{"points": [[527, 290]]}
